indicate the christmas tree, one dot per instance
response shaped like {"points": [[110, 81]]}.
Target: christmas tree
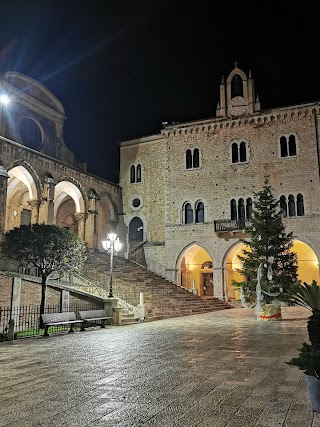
{"points": [[268, 265]]}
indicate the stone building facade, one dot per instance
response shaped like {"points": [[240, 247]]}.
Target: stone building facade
{"points": [[188, 191], [41, 181]]}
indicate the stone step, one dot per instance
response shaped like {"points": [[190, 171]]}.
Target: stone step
{"points": [[162, 298]]}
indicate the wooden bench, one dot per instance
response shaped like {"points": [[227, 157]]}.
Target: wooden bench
{"points": [[93, 316], [56, 319]]}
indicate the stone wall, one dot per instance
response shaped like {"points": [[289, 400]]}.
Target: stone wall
{"points": [[30, 294]]}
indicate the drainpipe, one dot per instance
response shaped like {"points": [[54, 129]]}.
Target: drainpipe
{"points": [[317, 139]]}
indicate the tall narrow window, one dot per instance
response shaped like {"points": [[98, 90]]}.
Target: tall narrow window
{"points": [[249, 208], [196, 158], [132, 174], [292, 206], [241, 210], [292, 146], [283, 205], [200, 212], [233, 208], [188, 214], [288, 145], [234, 149], [243, 152], [283, 147], [300, 205], [188, 159], [236, 86], [139, 173]]}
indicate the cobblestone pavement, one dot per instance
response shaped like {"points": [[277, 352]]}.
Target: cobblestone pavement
{"points": [[208, 370]]}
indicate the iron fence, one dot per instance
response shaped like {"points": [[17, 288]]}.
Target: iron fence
{"points": [[27, 319]]}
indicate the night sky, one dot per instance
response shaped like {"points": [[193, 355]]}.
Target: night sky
{"points": [[121, 68]]}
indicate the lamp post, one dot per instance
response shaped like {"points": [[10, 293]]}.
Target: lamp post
{"points": [[112, 245]]}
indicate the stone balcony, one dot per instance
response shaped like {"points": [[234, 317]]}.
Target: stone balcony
{"points": [[230, 227]]}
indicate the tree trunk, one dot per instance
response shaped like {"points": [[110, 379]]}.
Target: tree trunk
{"points": [[43, 298], [314, 330]]}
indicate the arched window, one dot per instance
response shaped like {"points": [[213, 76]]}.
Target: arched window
{"points": [[292, 206], [249, 208], [292, 146], [300, 206], [188, 214], [288, 146], [193, 159], [136, 230], [239, 152], [241, 210], [139, 173], [188, 159], [196, 158], [236, 86], [243, 152], [233, 208], [132, 174], [199, 212], [283, 205], [206, 264], [135, 173], [283, 147], [234, 149]]}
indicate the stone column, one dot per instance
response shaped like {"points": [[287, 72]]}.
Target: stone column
{"points": [[92, 221], [46, 209], [35, 205], [65, 300], [81, 219], [3, 199], [15, 301], [218, 283]]}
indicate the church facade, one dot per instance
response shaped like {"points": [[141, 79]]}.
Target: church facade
{"points": [[41, 181], [188, 191]]}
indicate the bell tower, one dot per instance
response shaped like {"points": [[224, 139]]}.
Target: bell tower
{"points": [[237, 95]]}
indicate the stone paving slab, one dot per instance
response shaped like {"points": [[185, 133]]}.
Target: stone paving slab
{"points": [[220, 369]]}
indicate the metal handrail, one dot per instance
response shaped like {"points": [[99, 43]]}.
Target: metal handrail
{"points": [[232, 224], [77, 281]]}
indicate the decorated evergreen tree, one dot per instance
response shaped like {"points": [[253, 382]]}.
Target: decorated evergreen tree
{"points": [[268, 266]]}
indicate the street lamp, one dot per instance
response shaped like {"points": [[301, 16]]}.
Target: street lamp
{"points": [[112, 245]]}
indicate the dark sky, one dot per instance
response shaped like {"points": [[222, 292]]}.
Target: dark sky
{"points": [[121, 68]]}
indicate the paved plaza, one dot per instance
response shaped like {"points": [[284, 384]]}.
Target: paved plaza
{"points": [[210, 370]]}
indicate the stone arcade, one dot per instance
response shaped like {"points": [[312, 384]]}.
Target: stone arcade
{"points": [[41, 180]]}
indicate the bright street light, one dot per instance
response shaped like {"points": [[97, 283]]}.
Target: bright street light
{"points": [[4, 99], [112, 245]]}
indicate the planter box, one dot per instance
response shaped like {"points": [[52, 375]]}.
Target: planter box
{"points": [[270, 312], [313, 386]]}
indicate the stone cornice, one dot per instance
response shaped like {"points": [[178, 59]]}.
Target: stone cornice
{"points": [[258, 119]]}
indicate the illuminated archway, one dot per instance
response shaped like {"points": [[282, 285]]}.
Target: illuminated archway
{"points": [[21, 190], [308, 266], [308, 263], [195, 271], [68, 201]]}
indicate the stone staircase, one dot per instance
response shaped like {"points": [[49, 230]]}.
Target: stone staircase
{"points": [[162, 298]]}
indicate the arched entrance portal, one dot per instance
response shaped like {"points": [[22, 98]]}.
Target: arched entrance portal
{"points": [[136, 231], [308, 266], [195, 271], [21, 192]]}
